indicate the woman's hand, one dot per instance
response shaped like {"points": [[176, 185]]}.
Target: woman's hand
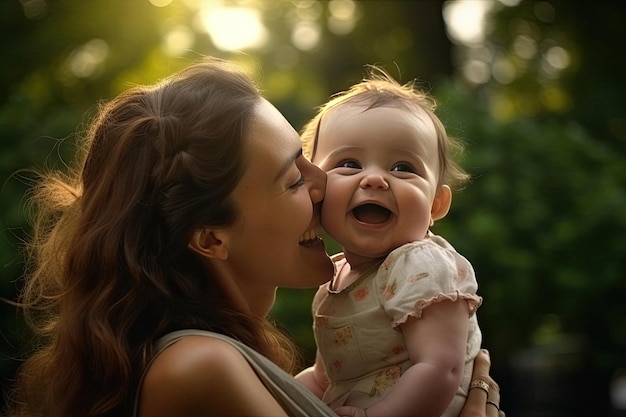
{"points": [[483, 399]]}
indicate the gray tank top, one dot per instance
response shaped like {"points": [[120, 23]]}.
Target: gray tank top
{"points": [[297, 400]]}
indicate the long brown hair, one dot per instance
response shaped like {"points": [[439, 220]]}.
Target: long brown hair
{"points": [[109, 268]]}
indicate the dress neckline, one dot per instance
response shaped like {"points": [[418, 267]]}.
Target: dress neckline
{"points": [[366, 272]]}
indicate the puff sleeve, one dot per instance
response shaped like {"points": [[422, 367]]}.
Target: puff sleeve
{"points": [[419, 274]]}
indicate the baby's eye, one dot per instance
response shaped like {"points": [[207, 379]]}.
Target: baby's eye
{"points": [[349, 164], [403, 167]]}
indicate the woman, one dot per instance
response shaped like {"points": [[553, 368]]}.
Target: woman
{"points": [[191, 204]]}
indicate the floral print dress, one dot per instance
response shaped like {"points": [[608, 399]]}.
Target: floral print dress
{"points": [[357, 327]]}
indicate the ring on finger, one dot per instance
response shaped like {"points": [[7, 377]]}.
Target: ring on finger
{"points": [[480, 384], [494, 404]]}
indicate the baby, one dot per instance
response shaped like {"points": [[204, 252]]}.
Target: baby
{"points": [[396, 329]]}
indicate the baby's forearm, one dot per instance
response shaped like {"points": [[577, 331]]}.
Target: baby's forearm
{"points": [[425, 389]]}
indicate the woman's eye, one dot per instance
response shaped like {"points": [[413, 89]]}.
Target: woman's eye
{"points": [[298, 183], [403, 167], [349, 164]]}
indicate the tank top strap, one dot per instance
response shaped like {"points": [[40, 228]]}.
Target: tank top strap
{"points": [[296, 399]]}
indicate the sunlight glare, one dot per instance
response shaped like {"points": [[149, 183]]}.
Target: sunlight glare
{"points": [[557, 57], [160, 3], [476, 71], [503, 71], [525, 46], [234, 28], [465, 20], [178, 40], [306, 35], [86, 60], [510, 3], [343, 16]]}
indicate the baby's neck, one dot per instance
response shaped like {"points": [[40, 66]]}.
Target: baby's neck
{"points": [[359, 263], [353, 268]]}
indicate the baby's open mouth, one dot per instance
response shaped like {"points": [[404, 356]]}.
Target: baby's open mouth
{"points": [[371, 213]]}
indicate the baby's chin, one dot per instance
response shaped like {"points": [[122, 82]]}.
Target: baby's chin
{"points": [[366, 255]]}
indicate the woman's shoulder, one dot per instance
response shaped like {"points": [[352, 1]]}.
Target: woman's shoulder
{"points": [[187, 370], [196, 375], [191, 355]]}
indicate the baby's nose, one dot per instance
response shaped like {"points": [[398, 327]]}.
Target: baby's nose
{"points": [[374, 181]]}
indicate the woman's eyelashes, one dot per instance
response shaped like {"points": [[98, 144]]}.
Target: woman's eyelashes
{"points": [[298, 183]]}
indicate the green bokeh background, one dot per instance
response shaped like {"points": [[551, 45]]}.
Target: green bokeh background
{"points": [[542, 221]]}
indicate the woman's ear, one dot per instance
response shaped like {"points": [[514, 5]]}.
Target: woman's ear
{"points": [[205, 242], [441, 203]]}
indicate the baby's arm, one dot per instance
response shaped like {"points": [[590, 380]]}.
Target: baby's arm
{"points": [[436, 344], [314, 377]]}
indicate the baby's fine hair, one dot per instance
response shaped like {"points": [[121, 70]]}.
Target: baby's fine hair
{"points": [[379, 89]]}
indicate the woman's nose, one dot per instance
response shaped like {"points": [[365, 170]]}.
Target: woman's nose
{"points": [[316, 181], [374, 180]]}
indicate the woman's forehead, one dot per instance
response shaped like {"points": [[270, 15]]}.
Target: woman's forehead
{"points": [[265, 117], [270, 141]]}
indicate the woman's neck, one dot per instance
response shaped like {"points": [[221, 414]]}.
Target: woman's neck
{"points": [[246, 297]]}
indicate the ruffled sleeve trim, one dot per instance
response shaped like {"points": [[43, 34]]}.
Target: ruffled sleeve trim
{"points": [[473, 302]]}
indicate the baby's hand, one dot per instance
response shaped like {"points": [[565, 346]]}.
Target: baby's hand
{"points": [[347, 411]]}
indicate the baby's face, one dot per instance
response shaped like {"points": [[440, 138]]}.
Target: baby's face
{"points": [[382, 167]]}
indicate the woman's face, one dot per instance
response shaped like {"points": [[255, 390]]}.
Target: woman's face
{"points": [[273, 241]]}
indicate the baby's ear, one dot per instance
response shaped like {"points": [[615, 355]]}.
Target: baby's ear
{"points": [[207, 243], [441, 203]]}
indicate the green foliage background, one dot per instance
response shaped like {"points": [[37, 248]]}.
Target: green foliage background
{"points": [[542, 221]]}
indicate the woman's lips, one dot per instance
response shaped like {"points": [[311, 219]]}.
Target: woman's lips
{"points": [[310, 237]]}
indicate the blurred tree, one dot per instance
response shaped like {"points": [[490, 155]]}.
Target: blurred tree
{"points": [[542, 220], [539, 222]]}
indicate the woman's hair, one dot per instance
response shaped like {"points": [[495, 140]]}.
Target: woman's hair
{"points": [[379, 89], [109, 268]]}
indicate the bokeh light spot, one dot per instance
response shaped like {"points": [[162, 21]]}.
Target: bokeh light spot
{"points": [[234, 28]]}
